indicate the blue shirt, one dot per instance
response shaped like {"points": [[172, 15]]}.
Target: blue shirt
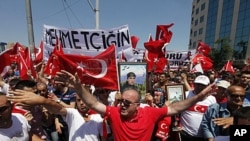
{"points": [[246, 101], [209, 128]]}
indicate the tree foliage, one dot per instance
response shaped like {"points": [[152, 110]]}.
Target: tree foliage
{"points": [[222, 53], [241, 52]]}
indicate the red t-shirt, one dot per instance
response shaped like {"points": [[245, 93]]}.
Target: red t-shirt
{"points": [[140, 128]]}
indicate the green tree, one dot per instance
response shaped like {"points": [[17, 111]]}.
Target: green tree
{"points": [[222, 53], [242, 44]]}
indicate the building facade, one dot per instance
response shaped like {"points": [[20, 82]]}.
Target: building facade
{"points": [[2, 46], [214, 20]]}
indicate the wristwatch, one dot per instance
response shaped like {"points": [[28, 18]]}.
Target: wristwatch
{"points": [[58, 100]]}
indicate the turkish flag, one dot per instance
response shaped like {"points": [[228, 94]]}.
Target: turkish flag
{"points": [[10, 56], [23, 67], [100, 70], [154, 55], [26, 65], [39, 53], [197, 68], [228, 67], [163, 33], [18, 49], [206, 62], [203, 48], [52, 66], [155, 50]]}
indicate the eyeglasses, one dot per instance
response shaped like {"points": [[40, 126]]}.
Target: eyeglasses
{"points": [[126, 103], [237, 95], [2, 109]]}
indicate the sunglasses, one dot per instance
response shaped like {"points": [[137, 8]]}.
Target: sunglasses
{"points": [[236, 96], [4, 108], [126, 103]]}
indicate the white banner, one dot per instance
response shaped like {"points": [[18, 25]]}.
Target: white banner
{"points": [[176, 58], [88, 42]]}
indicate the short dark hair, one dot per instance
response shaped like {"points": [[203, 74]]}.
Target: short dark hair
{"points": [[131, 74], [243, 112], [25, 83], [14, 81]]}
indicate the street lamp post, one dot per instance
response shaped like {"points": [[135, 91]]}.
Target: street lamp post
{"points": [[97, 12], [30, 27]]}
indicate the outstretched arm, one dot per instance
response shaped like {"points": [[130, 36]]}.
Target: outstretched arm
{"points": [[175, 108], [30, 98], [84, 94]]}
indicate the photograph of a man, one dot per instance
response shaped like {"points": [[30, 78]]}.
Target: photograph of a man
{"points": [[133, 75], [130, 81]]}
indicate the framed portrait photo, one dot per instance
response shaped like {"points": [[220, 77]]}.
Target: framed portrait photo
{"points": [[175, 92], [133, 74]]}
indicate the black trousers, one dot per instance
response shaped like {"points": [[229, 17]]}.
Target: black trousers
{"points": [[186, 137]]}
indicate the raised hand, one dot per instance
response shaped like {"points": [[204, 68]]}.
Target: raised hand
{"points": [[26, 97], [66, 78]]}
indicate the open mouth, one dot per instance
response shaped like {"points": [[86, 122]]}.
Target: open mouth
{"points": [[123, 109]]}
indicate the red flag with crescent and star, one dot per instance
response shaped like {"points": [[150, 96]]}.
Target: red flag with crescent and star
{"points": [[17, 54], [39, 53], [52, 66], [201, 57], [203, 48], [100, 70], [155, 49]]}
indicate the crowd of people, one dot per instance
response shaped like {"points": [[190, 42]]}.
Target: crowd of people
{"points": [[64, 109]]}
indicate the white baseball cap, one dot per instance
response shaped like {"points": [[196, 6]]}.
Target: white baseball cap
{"points": [[223, 83], [202, 79]]}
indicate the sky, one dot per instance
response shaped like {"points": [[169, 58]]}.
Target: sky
{"points": [[141, 16]]}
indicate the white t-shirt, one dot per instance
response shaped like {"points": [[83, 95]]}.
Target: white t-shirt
{"points": [[5, 88], [191, 118], [19, 131], [111, 98], [80, 130]]}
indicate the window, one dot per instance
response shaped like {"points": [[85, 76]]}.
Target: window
{"points": [[196, 22], [201, 19], [197, 11], [195, 33], [200, 31], [194, 45], [203, 6]]}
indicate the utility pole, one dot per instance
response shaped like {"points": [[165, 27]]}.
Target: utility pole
{"points": [[30, 28], [97, 12]]}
